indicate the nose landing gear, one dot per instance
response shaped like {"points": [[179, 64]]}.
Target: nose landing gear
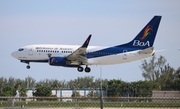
{"points": [[26, 62], [28, 66]]}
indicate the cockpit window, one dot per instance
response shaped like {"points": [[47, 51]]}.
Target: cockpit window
{"points": [[21, 49]]}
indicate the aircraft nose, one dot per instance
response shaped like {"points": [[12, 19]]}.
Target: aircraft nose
{"points": [[14, 54]]}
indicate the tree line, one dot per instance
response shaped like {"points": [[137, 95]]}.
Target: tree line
{"points": [[158, 75]]}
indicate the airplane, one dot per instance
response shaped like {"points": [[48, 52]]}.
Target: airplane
{"points": [[78, 55]]}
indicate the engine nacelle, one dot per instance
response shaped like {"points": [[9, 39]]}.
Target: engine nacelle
{"points": [[59, 61]]}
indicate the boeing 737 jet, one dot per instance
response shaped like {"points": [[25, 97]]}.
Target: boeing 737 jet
{"points": [[76, 56]]}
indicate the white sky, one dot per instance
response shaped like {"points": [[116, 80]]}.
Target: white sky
{"points": [[111, 22]]}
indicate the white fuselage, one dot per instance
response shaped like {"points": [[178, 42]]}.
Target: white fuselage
{"points": [[39, 53]]}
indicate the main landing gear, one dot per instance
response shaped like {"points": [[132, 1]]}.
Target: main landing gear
{"points": [[87, 69]]}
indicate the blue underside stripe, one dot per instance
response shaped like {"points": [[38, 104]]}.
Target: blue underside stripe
{"points": [[95, 54], [108, 51]]}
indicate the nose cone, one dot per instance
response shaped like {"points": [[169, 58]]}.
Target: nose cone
{"points": [[14, 54]]}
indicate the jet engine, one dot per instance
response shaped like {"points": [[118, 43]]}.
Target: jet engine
{"points": [[59, 61]]}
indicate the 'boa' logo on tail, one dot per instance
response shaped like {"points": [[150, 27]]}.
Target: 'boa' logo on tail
{"points": [[146, 32]]}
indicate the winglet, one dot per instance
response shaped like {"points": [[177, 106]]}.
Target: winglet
{"points": [[86, 43]]}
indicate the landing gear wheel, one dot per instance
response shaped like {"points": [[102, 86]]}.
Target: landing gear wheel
{"points": [[80, 69], [87, 69], [28, 67]]}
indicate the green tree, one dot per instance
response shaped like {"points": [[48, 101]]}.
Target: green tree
{"points": [[175, 82], [151, 70], [141, 88], [22, 91], [3, 82], [8, 91], [42, 91], [115, 87], [160, 74], [83, 82], [92, 87], [20, 86], [30, 82], [75, 94], [11, 81], [56, 85]]}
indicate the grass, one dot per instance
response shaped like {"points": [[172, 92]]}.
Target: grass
{"points": [[47, 104]]}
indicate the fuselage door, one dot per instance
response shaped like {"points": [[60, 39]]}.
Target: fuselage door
{"points": [[31, 52], [124, 54]]}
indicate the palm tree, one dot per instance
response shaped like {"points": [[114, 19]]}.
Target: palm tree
{"points": [[30, 82], [92, 87], [1, 86], [56, 85]]}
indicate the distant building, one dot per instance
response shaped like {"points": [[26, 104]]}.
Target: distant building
{"points": [[165, 96], [67, 92]]}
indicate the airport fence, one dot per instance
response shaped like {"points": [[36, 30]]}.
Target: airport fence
{"points": [[89, 102]]}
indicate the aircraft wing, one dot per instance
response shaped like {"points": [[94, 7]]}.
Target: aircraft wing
{"points": [[79, 55]]}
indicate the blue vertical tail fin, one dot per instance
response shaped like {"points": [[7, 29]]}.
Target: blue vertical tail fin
{"points": [[146, 36]]}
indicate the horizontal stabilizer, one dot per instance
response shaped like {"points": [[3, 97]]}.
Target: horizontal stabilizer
{"points": [[147, 50], [161, 50]]}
